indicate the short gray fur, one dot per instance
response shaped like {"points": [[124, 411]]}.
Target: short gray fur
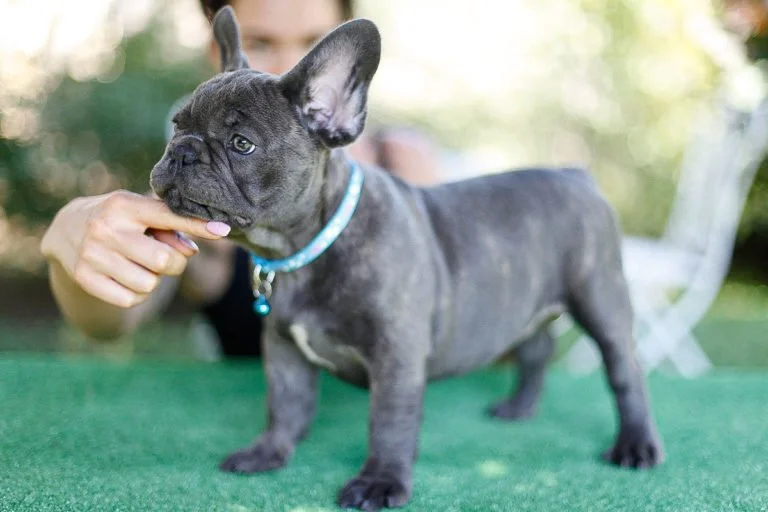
{"points": [[423, 283]]}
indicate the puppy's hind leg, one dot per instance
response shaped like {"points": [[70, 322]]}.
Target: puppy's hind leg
{"points": [[600, 304], [532, 356]]}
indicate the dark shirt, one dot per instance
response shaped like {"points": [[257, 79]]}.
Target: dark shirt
{"points": [[232, 316]]}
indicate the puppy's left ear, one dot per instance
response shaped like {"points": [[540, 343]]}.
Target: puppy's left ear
{"points": [[227, 34], [329, 87]]}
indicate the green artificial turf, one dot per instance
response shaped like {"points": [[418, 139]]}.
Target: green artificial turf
{"points": [[87, 434]]}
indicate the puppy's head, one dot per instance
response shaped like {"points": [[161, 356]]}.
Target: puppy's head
{"points": [[249, 148]]}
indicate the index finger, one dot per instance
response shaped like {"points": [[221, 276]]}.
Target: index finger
{"points": [[156, 214]]}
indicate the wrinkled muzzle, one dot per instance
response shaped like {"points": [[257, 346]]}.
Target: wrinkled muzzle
{"points": [[180, 155], [185, 182]]}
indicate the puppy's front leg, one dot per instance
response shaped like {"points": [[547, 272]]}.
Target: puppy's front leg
{"points": [[292, 394], [397, 389]]}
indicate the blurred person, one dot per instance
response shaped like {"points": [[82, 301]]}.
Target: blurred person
{"points": [[746, 18], [108, 276]]}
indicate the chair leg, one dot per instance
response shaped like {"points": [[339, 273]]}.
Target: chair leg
{"points": [[669, 338], [689, 359], [583, 357]]}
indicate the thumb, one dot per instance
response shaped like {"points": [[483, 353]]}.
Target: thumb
{"points": [[177, 240]]}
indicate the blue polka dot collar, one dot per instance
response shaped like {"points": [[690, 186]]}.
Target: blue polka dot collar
{"points": [[264, 270]]}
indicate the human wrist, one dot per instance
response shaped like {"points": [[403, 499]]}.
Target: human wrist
{"points": [[49, 242], [54, 240]]}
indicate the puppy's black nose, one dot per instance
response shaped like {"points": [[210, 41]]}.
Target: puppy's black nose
{"points": [[184, 154]]}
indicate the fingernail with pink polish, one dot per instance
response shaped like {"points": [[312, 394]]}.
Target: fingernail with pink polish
{"points": [[186, 241], [218, 228]]}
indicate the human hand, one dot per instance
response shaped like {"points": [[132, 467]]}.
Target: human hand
{"points": [[117, 246]]}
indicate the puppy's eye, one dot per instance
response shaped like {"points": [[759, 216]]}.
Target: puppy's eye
{"points": [[242, 145]]}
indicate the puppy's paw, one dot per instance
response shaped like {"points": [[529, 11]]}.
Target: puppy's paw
{"points": [[636, 448], [255, 459], [512, 410], [373, 492]]}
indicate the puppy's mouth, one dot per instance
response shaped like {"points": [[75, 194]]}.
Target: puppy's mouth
{"points": [[184, 206]]}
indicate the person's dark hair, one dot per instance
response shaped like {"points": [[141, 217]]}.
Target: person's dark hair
{"points": [[211, 6]]}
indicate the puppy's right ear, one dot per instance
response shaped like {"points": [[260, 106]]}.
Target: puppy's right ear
{"points": [[329, 86], [227, 34]]}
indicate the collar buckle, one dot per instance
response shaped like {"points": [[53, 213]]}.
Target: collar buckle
{"points": [[262, 290]]}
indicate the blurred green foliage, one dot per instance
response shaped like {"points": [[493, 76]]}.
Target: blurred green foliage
{"points": [[618, 81], [616, 85], [96, 136], [754, 222]]}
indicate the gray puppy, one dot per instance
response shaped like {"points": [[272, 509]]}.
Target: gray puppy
{"points": [[421, 284]]}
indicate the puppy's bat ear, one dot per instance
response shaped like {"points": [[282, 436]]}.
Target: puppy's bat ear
{"points": [[227, 35], [329, 86]]}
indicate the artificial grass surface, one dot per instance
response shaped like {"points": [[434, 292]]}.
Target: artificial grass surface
{"points": [[86, 434]]}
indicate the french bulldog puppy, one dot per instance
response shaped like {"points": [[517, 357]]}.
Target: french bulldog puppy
{"points": [[423, 283]]}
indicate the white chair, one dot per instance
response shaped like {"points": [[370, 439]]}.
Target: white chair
{"points": [[692, 258]]}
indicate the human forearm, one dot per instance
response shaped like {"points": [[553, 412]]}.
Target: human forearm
{"points": [[115, 259], [94, 317]]}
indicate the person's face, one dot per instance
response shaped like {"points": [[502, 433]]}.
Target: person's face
{"points": [[746, 17], [276, 34]]}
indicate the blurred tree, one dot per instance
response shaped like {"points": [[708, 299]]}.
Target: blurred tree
{"points": [[95, 136], [751, 252], [749, 19], [613, 84]]}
